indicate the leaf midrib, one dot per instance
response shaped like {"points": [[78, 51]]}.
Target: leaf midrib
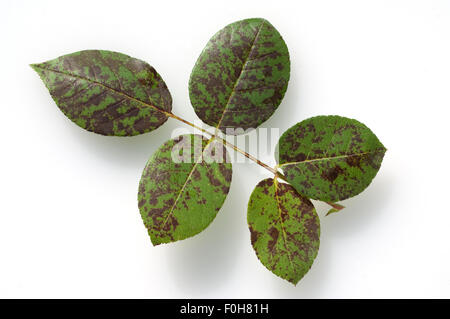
{"points": [[104, 86], [277, 198], [233, 91], [188, 178], [333, 157]]}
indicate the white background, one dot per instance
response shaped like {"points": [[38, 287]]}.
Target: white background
{"points": [[69, 222]]}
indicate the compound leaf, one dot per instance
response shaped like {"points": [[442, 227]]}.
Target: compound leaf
{"points": [[330, 158], [284, 228], [107, 92], [241, 76], [183, 186]]}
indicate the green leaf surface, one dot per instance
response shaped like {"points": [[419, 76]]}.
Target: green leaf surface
{"points": [[330, 158], [285, 229], [183, 186], [241, 76], [107, 92]]}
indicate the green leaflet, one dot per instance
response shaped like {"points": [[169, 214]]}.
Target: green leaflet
{"points": [[285, 229], [241, 76], [178, 199], [107, 92], [330, 158]]}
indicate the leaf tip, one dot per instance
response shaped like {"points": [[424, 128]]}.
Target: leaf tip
{"points": [[295, 278], [335, 207], [155, 241], [35, 67], [294, 282], [331, 211]]}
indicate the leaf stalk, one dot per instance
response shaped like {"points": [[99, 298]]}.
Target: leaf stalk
{"points": [[274, 170]]}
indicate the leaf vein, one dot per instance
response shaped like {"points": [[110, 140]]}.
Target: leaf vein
{"points": [[233, 91], [283, 230], [108, 88], [185, 183], [332, 157]]}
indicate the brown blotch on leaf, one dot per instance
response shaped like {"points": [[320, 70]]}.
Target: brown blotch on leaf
{"points": [[353, 161], [212, 179], [332, 173], [253, 235], [273, 232], [226, 173], [142, 202], [196, 175]]}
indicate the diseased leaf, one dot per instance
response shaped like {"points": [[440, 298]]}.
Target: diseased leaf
{"points": [[284, 228], [107, 92], [330, 158], [241, 76], [183, 186]]}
